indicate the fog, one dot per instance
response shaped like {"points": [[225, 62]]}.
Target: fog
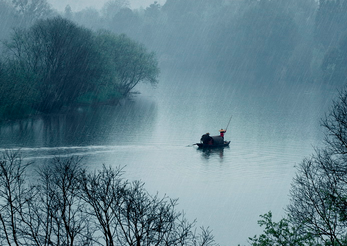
{"points": [[275, 66], [78, 5]]}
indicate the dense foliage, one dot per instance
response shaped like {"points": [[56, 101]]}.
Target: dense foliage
{"points": [[56, 63], [63, 58], [128, 62], [281, 233], [67, 205]]}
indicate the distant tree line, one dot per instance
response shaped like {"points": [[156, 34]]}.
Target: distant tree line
{"points": [[15, 13], [56, 63], [298, 41], [67, 205], [317, 212], [267, 40]]}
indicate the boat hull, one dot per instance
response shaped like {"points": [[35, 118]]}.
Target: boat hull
{"points": [[210, 146]]}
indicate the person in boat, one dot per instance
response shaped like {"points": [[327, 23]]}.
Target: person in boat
{"points": [[221, 132], [206, 138]]}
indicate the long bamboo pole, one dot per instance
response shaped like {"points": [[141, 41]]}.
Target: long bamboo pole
{"points": [[228, 123]]}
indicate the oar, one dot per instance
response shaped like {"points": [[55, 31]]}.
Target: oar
{"points": [[228, 123]]}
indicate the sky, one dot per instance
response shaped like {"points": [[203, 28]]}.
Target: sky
{"points": [[77, 5]]}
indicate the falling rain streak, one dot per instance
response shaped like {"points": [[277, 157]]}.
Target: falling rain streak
{"points": [[269, 64]]}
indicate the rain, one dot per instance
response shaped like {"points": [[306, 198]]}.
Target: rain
{"points": [[271, 67]]}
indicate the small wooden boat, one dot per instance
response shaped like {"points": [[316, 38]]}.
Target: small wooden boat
{"points": [[216, 142]]}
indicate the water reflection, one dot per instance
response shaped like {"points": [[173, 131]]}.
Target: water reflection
{"points": [[208, 153], [108, 125]]}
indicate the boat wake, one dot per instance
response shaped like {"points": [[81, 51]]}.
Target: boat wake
{"points": [[30, 154], [65, 151]]}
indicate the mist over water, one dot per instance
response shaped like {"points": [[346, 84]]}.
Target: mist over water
{"points": [[274, 66], [151, 135]]}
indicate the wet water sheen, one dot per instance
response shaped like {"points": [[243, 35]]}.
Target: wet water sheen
{"points": [[272, 130]]}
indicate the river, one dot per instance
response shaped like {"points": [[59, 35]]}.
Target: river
{"points": [[152, 135]]}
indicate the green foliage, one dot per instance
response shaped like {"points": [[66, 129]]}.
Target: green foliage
{"points": [[19, 91], [282, 233], [56, 64], [128, 62], [62, 57]]}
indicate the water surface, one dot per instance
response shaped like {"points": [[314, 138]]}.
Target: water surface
{"points": [[273, 128]]}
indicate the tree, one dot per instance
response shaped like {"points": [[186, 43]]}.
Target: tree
{"points": [[61, 212], [124, 21], [66, 205], [185, 33], [32, 10], [63, 58], [315, 200], [19, 89], [146, 220], [265, 38], [127, 215], [112, 7], [13, 197], [103, 191], [89, 17], [128, 62], [317, 213], [52, 213], [336, 127], [319, 191], [8, 18], [68, 12], [56, 64], [153, 11], [282, 233]]}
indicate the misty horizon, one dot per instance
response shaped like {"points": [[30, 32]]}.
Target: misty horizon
{"points": [[79, 5]]}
